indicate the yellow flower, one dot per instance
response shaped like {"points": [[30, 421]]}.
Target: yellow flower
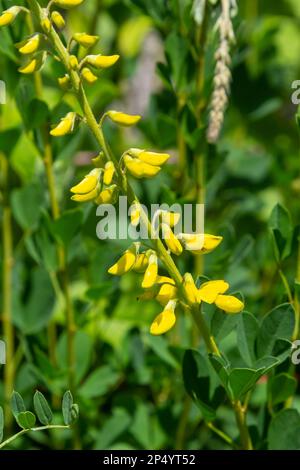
{"points": [[190, 288], [229, 304], [30, 45], [108, 195], [141, 263], [140, 169], [123, 119], [9, 15], [90, 196], [164, 280], [125, 263], [73, 62], [64, 82], [66, 4], [165, 320], [102, 61], [46, 25], [88, 184], [85, 40], [66, 125], [169, 218], [34, 64], [210, 290], [171, 241], [109, 171], [166, 292], [135, 214], [200, 243], [150, 273], [154, 158], [58, 20], [88, 75]]}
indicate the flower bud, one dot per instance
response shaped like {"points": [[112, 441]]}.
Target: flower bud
{"points": [[8, 16], [123, 119], [109, 171], [30, 45], [64, 82], [165, 320], [85, 40], [88, 75], [46, 25], [90, 196], [102, 61], [34, 64], [151, 272], [67, 4], [66, 125], [125, 263], [135, 214], [73, 62], [108, 195], [171, 241], [88, 184], [229, 304], [58, 19]]}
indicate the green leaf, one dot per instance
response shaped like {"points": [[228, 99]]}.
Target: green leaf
{"points": [[160, 346], [99, 382], [83, 353], [241, 380], [280, 388], [199, 383], [282, 230], [39, 114], [17, 404], [26, 419], [112, 428], [1, 423], [222, 325], [8, 139], [67, 404], [27, 203], [284, 431], [278, 324], [67, 226], [42, 408], [247, 329]]}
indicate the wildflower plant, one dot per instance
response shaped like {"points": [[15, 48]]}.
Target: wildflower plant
{"points": [[156, 262]]}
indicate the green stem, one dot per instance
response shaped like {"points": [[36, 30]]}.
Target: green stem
{"points": [[8, 330], [240, 416], [297, 296], [286, 286], [24, 431], [223, 436]]}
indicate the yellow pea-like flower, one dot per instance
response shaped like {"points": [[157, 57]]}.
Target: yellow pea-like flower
{"points": [[154, 158], [190, 288], [85, 40], [66, 125], [73, 62], [108, 195], [169, 218], [209, 291], [64, 82], [58, 20], [139, 169], [125, 263], [8, 16], [109, 171], [88, 184], [30, 45], [150, 273], [99, 161], [88, 75], [229, 304], [166, 293], [66, 4], [123, 119], [135, 214], [200, 243], [164, 280], [46, 25], [171, 241], [90, 196], [34, 64], [165, 320], [141, 263], [102, 61]]}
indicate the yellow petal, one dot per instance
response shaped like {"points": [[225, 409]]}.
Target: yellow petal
{"points": [[88, 183], [200, 243], [58, 20], [46, 25], [88, 75], [73, 62], [166, 293], [86, 197], [109, 171], [171, 241], [66, 4], [31, 45], [164, 280], [210, 290], [229, 303], [123, 119], [170, 218], [9, 15], [190, 288], [151, 273], [135, 215], [139, 169], [154, 158], [34, 64], [141, 263], [108, 195], [102, 61], [125, 263], [165, 320], [85, 40], [65, 126], [64, 82], [211, 242]]}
